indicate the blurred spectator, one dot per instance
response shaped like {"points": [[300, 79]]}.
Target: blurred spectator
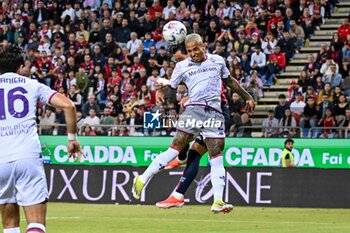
{"points": [[156, 7], [97, 56], [258, 60], [287, 45], [133, 43], [297, 34], [130, 106], [92, 119], [60, 81], [318, 85], [293, 90], [122, 34], [270, 125], [41, 13], [304, 81], [100, 88], [47, 121], [345, 85], [344, 29], [335, 47], [169, 8], [128, 92], [336, 95], [346, 48], [106, 119], [323, 53], [241, 44], [325, 92], [322, 107], [326, 67], [45, 68], [90, 104], [236, 106], [345, 123], [328, 121], [60, 119], [333, 77], [309, 118], [268, 44], [132, 121], [344, 68], [310, 92], [75, 97], [255, 85], [281, 106], [287, 120], [340, 108], [297, 107], [275, 64], [245, 122], [68, 15], [87, 130], [312, 67]]}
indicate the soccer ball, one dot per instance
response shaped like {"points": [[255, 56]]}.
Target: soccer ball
{"points": [[174, 32]]}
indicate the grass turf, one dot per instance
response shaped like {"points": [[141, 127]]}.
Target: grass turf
{"points": [[93, 218]]}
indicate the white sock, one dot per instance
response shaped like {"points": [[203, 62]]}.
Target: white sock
{"points": [[12, 230], [158, 164], [36, 228], [178, 196], [217, 173]]}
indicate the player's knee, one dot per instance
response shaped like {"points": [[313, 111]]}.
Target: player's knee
{"points": [[36, 228]]}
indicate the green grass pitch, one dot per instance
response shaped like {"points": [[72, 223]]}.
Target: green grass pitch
{"points": [[93, 218]]}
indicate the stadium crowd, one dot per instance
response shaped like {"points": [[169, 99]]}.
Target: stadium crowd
{"points": [[102, 54]]}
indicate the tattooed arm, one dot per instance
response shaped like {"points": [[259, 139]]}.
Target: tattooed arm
{"points": [[169, 92], [234, 85]]}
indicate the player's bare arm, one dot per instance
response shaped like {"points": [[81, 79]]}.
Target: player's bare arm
{"points": [[234, 85], [68, 107]]}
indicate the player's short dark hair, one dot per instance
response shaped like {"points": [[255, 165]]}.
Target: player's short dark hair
{"points": [[288, 140], [11, 58]]}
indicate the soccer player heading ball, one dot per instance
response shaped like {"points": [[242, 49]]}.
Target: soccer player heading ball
{"points": [[203, 74], [22, 176]]}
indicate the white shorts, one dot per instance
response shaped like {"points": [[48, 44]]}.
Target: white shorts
{"points": [[23, 182], [215, 128]]}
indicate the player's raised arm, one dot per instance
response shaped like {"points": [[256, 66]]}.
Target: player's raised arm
{"points": [[234, 85], [60, 101]]}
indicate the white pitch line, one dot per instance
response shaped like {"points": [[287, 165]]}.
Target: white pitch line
{"points": [[56, 218], [196, 220], [232, 221]]}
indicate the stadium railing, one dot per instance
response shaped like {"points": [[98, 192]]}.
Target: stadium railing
{"points": [[334, 132], [280, 133]]}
